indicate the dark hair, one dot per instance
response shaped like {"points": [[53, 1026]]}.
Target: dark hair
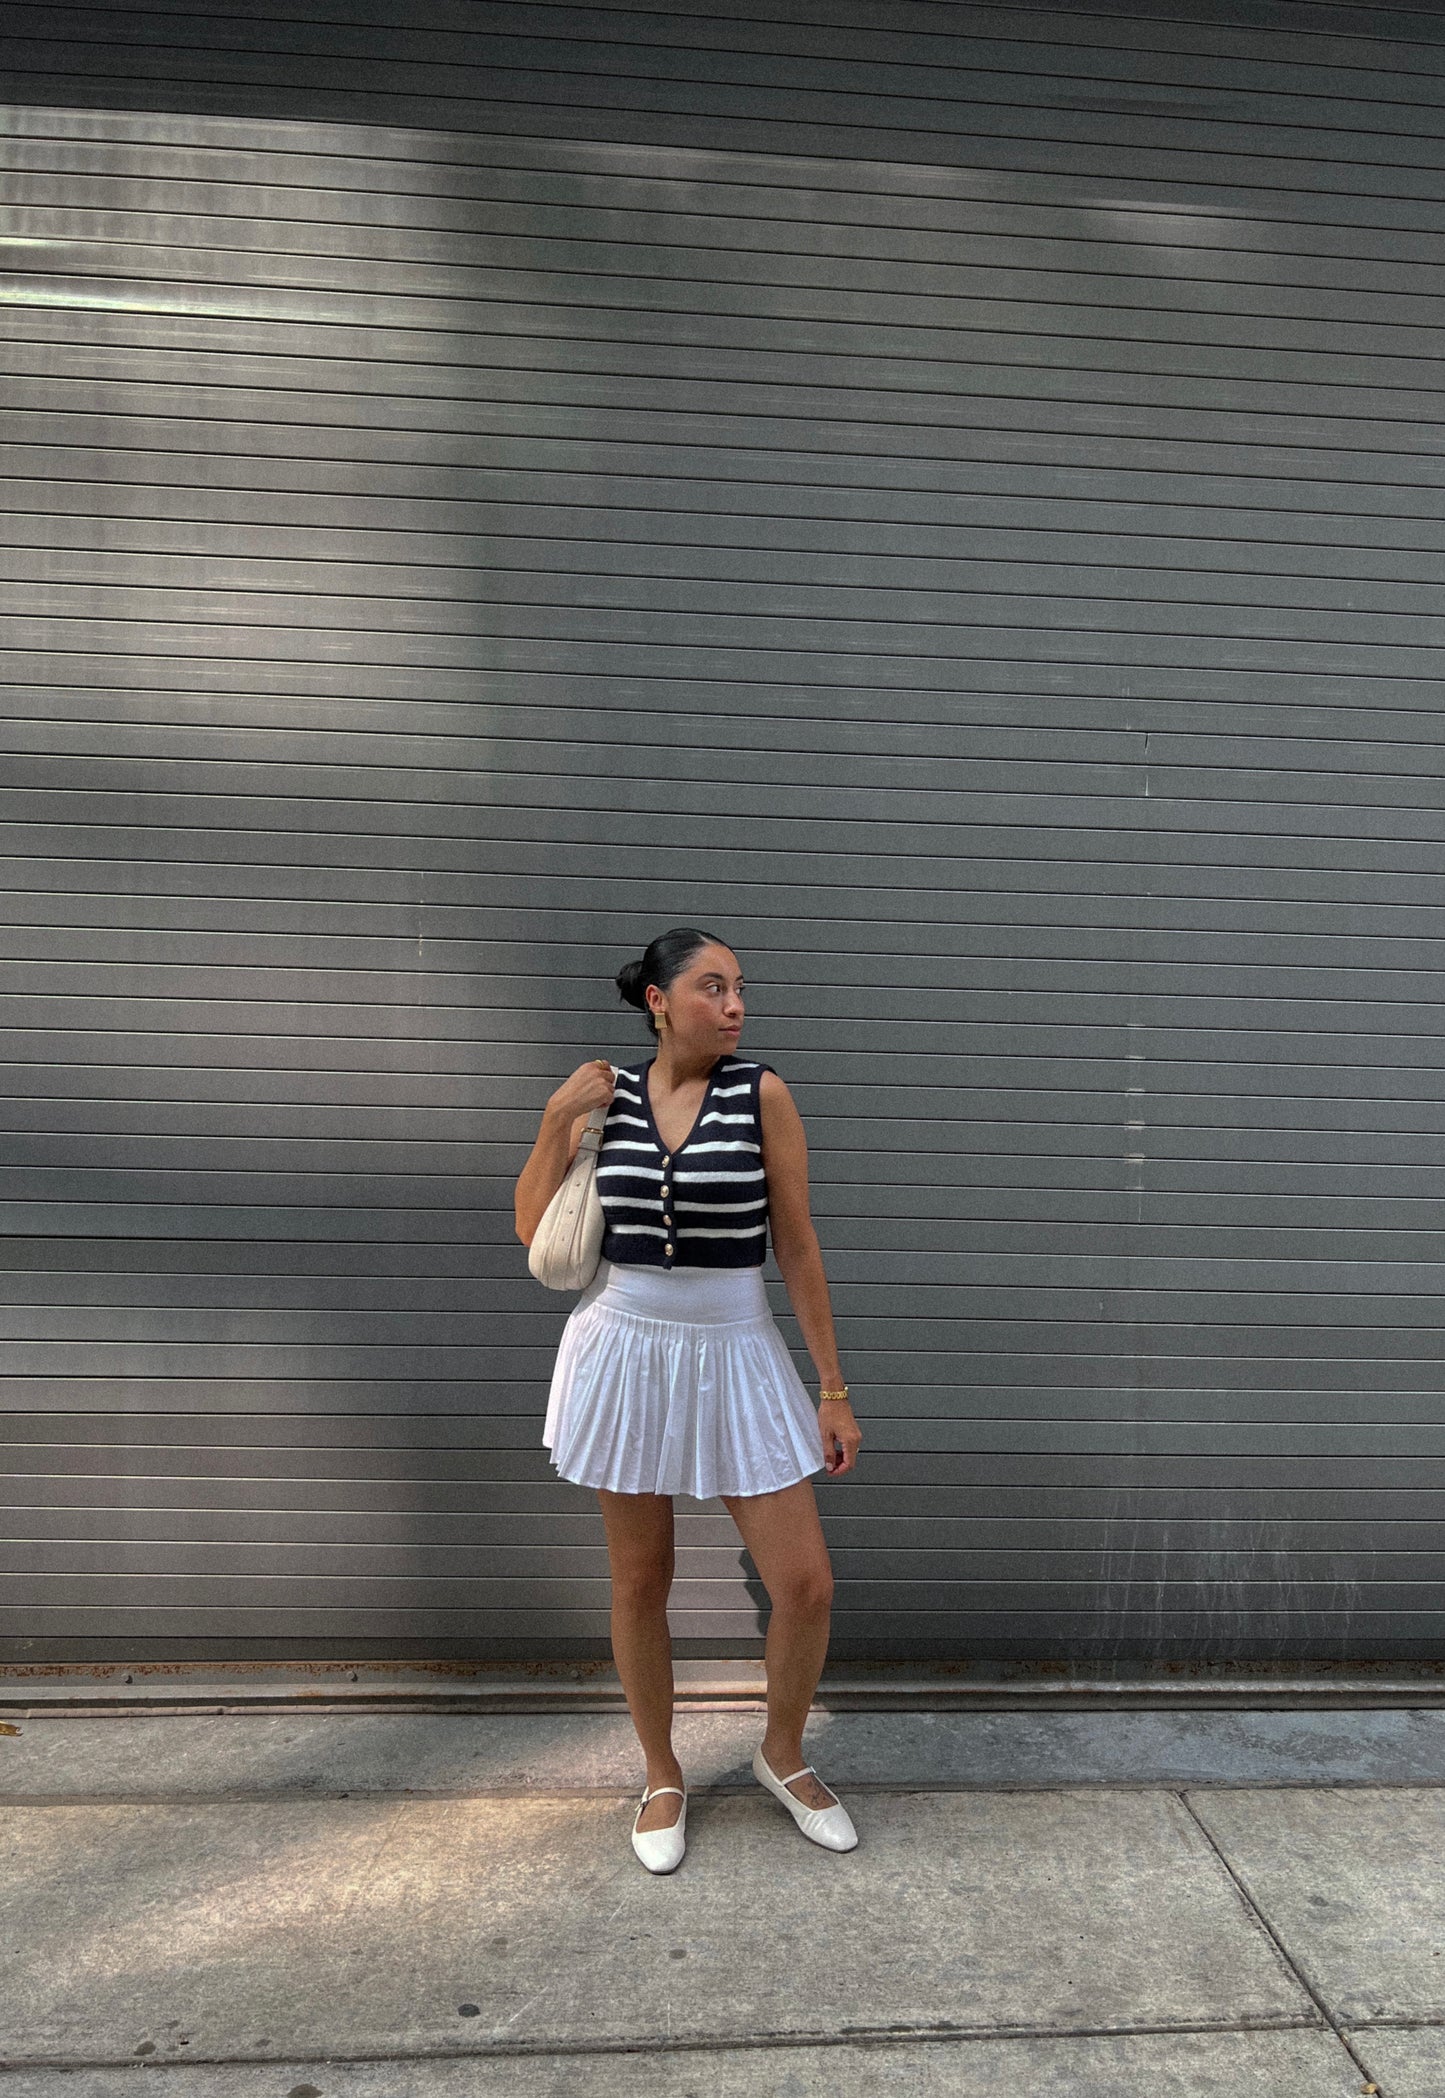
{"points": [[666, 958]]}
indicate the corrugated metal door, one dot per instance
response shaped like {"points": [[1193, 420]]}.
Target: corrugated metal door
{"points": [[951, 499]]}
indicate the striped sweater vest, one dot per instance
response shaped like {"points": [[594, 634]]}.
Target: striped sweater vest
{"points": [[704, 1205]]}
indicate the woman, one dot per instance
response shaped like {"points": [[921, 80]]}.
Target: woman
{"points": [[672, 1376]]}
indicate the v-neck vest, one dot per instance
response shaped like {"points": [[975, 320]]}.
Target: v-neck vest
{"points": [[702, 1205]]}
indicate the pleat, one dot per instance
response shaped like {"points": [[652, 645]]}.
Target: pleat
{"points": [[642, 1405]]}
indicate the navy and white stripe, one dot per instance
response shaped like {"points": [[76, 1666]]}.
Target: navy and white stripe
{"points": [[704, 1205]]}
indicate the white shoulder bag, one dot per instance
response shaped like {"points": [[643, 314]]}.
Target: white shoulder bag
{"points": [[568, 1242]]}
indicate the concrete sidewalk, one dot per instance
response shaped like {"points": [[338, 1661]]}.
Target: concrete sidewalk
{"points": [[423, 1905]]}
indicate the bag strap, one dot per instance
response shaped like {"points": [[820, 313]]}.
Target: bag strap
{"points": [[595, 1120]]}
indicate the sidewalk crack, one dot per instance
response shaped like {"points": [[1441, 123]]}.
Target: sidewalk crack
{"points": [[1282, 1949]]}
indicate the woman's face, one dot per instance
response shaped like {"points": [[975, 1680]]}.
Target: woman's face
{"points": [[704, 1003]]}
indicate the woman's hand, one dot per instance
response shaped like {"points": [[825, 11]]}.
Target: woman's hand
{"points": [[590, 1085], [835, 1419]]}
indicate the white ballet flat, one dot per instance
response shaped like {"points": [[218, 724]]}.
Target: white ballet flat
{"points": [[830, 1826], [661, 1849]]}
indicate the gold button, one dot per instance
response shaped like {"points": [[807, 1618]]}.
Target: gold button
{"points": [[667, 1249], [666, 1189]]}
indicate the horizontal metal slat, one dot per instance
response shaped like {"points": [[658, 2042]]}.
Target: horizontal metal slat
{"points": [[549, 1537], [414, 1573]]}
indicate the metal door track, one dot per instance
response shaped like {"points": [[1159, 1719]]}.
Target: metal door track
{"points": [[543, 1686]]}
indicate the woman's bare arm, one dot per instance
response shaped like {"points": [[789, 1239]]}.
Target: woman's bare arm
{"points": [[800, 1258], [563, 1120]]}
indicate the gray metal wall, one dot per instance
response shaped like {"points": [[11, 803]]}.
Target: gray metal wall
{"points": [[948, 496]]}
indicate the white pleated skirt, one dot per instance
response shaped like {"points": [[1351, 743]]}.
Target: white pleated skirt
{"points": [[679, 1381]]}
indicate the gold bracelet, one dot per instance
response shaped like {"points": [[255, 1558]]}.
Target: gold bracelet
{"points": [[832, 1394]]}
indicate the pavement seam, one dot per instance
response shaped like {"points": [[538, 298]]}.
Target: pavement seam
{"points": [[1281, 1948], [1397, 2024], [208, 1796], [878, 2036]]}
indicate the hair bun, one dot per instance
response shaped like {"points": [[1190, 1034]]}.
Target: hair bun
{"points": [[631, 981]]}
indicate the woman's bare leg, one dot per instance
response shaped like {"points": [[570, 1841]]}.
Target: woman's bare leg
{"points": [[640, 1549], [785, 1538]]}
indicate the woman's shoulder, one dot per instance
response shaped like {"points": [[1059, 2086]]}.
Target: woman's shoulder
{"points": [[767, 1084]]}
